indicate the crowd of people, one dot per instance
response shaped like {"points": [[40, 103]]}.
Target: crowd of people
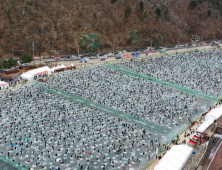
{"points": [[128, 94], [202, 77], [210, 57], [40, 129], [43, 131]]}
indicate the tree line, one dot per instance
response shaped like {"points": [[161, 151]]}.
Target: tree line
{"points": [[12, 62]]}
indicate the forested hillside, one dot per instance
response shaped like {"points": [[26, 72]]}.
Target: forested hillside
{"points": [[58, 26]]}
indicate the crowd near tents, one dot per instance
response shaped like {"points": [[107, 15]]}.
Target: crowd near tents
{"points": [[39, 72]]}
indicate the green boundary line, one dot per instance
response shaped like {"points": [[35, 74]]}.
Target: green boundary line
{"points": [[164, 83], [14, 164], [107, 110], [200, 61]]}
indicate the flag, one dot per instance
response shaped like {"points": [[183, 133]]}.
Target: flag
{"points": [[157, 150], [167, 140], [211, 154]]}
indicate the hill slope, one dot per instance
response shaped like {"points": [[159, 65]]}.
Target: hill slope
{"points": [[58, 26]]}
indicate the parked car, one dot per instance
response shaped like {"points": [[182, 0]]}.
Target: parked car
{"points": [[58, 58], [25, 64], [169, 46], [118, 56], [157, 48], [109, 54], [93, 57], [162, 48], [65, 58]]}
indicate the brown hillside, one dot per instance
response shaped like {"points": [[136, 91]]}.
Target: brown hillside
{"points": [[58, 26]]}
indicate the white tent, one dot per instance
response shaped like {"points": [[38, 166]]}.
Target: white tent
{"points": [[175, 158], [213, 115], [3, 85], [32, 73], [27, 76], [71, 65], [204, 125], [53, 69], [62, 66], [58, 68]]}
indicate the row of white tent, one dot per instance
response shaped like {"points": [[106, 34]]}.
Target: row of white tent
{"points": [[30, 75], [58, 68], [178, 155], [175, 159], [213, 115]]}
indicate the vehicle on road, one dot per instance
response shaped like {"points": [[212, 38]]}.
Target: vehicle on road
{"points": [[118, 56], [57, 58]]}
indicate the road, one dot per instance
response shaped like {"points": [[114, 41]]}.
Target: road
{"points": [[112, 59]]}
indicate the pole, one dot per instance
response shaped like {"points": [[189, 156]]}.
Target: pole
{"points": [[78, 50], [33, 49], [113, 48], [151, 42], [178, 41]]}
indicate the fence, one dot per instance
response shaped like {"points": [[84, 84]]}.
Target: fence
{"points": [[217, 148]]}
